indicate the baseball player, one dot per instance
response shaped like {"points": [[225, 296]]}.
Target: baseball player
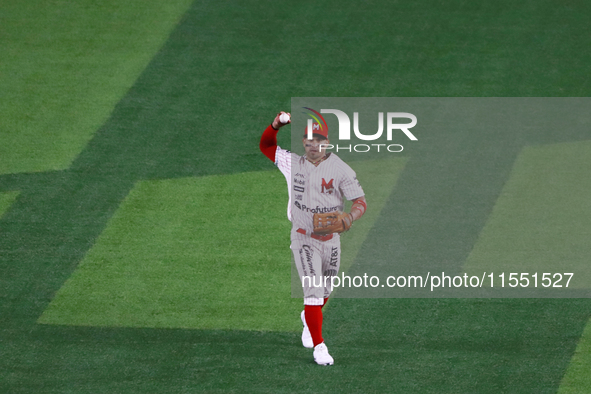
{"points": [[318, 182]]}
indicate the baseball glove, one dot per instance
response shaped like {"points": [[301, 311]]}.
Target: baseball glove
{"points": [[332, 222]]}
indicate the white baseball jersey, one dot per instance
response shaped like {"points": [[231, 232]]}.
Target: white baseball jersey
{"points": [[315, 188]]}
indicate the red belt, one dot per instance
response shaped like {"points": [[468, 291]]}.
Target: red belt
{"points": [[316, 236]]}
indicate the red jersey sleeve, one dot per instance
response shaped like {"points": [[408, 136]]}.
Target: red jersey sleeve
{"points": [[268, 143]]}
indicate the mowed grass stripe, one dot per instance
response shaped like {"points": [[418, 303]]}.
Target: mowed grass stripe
{"points": [[577, 378], [210, 252], [64, 67], [6, 200], [540, 222]]}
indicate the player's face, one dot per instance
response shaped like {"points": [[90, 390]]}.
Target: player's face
{"points": [[312, 147]]}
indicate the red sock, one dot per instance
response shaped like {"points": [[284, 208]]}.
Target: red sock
{"points": [[325, 301], [313, 315]]}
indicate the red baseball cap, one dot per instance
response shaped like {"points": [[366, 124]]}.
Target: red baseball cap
{"points": [[317, 129]]}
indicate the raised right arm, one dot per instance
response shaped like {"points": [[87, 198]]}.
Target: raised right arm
{"points": [[268, 144]]}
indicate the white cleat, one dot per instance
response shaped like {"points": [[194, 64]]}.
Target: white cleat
{"points": [[306, 336], [321, 355]]}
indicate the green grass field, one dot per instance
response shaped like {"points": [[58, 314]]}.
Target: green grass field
{"points": [[143, 236]]}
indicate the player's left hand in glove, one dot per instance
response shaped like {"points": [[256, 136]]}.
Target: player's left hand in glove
{"points": [[332, 222]]}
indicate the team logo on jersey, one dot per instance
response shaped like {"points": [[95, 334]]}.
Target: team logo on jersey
{"points": [[327, 187]]}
